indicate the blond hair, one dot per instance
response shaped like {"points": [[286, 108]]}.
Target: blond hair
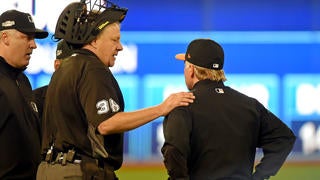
{"points": [[204, 73]]}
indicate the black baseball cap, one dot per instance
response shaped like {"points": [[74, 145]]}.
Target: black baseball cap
{"points": [[23, 22], [205, 53], [63, 50]]}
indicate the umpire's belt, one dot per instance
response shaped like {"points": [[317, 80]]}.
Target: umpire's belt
{"points": [[53, 156], [71, 156]]}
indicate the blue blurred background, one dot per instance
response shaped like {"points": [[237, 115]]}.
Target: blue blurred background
{"points": [[272, 53]]}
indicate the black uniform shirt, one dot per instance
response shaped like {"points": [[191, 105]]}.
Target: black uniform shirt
{"points": [[19, 125], [81, 94], [217, 136], [40, 95]]}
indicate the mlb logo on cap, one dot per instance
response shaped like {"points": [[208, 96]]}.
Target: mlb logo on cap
{"points": [[215, 66]]}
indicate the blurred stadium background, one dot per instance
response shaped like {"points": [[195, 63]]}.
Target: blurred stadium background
{"points": [[272, 52]]}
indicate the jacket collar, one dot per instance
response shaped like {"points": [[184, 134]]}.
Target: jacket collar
{"points": [[208, 82], [8, 69]]}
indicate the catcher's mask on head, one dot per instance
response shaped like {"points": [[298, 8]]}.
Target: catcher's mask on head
{"points": [[80, 22]]}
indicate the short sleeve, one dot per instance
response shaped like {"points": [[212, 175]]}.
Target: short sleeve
{"points": [[99, 95]]}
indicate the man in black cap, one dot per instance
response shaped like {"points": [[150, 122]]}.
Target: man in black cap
{"points": [[84, 118], [19, 125], [63, 50], [216, 136]]}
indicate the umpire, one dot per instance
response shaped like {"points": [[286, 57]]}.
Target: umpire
{"points": [[84, 118], [216, 136], [62, 51], [19, 125]]}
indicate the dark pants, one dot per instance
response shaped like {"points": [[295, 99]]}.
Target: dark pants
{"points": [[72, 171]]}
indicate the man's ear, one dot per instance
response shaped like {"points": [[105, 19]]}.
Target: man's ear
{"points": [[57, 63], [5, 38], [191, 70], [93, 43]]}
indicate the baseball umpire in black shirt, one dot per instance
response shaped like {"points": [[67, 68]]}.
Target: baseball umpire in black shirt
{"points": [[19, 123], [62, 51], [83, 118], [216, 136]]}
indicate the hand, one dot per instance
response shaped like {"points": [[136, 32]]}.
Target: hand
{"points": [[175, 100]]}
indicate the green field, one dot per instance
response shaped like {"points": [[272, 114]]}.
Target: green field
{"points": [[290, 171]]}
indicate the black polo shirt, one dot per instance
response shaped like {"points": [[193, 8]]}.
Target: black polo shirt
{"points": [[81, 94], [19, 125]]}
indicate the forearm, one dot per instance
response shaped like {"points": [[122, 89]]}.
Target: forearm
{"points": [[124, 121]]}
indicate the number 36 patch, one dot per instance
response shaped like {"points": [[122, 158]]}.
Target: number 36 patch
{"points": [[105, 106]]}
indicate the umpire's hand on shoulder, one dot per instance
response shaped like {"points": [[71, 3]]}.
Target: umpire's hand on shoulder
{"points": [[175, 100]]}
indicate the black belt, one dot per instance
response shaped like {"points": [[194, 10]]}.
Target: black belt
{"points": [[54, 156]]}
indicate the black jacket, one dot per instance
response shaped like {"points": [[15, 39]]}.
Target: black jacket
{"points": [[19, 125], [216, 136]]}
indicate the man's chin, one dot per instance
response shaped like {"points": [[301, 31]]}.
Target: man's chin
{"points": [[23, 67], [111, 64]]}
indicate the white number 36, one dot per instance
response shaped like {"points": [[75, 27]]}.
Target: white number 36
{"points": [[104, 106]]}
